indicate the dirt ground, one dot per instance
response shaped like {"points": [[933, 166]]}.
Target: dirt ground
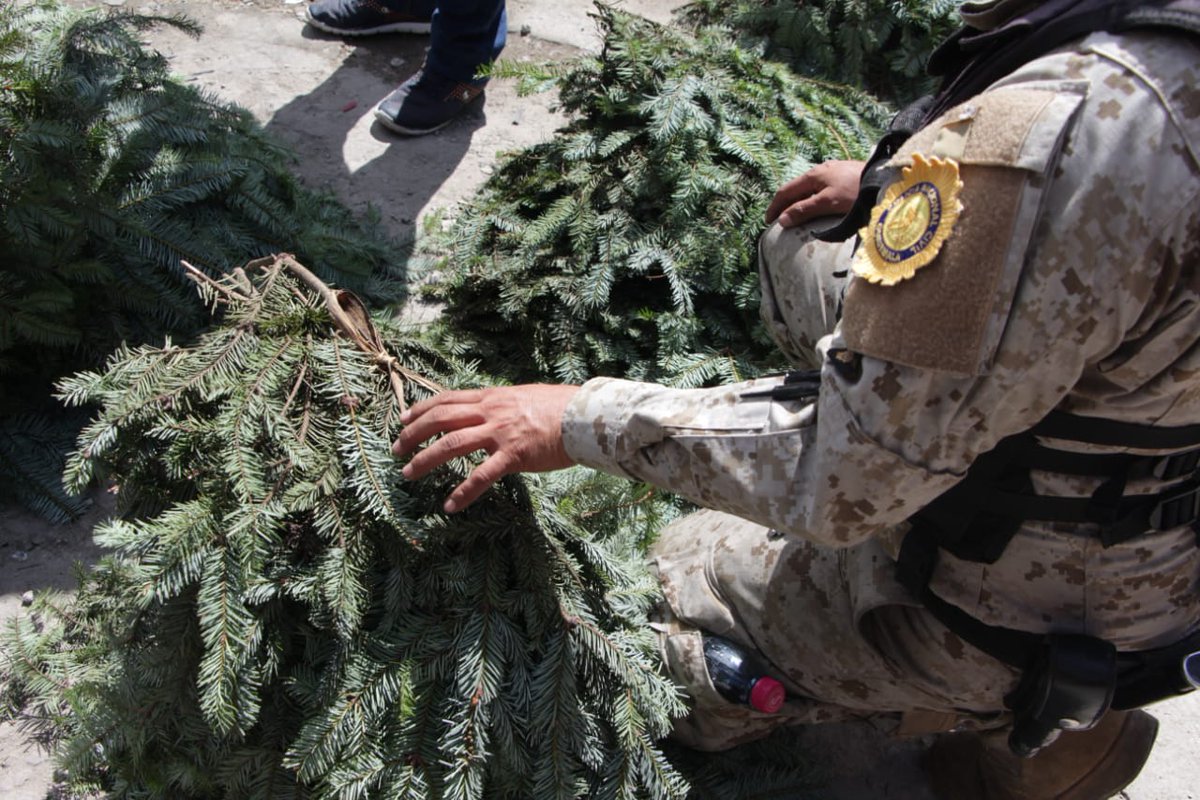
{"points": [[316, 92]]}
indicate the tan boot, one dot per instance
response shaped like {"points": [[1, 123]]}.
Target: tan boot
{"points": [[1083, 765]]}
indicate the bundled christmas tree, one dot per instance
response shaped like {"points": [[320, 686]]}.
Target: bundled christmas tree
{"points": [[282, 615], [626, 245], [111, 172]]}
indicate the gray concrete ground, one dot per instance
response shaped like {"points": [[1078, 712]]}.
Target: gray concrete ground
{"points": [[317, 92]]}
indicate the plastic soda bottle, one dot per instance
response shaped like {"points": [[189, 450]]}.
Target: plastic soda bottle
{"points": [[740, 677]]}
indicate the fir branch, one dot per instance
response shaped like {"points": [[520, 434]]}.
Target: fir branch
{"points": [[306, 642], [623, 246], [114, 171]]}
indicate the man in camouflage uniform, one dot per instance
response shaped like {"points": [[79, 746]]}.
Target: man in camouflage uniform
{"points": [[1069, 280]]}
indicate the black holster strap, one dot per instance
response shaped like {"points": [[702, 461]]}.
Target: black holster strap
{"points": [[1147, 676], [1142, 677], [1068, 686]]}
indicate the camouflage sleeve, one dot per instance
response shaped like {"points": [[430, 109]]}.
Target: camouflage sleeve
{"points": [[1079, 193], [763, 460]]}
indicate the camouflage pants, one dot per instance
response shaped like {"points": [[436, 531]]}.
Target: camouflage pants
{"points": [[846, 641]]}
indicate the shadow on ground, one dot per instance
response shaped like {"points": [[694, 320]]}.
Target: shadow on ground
{"points": [[345, 150]]}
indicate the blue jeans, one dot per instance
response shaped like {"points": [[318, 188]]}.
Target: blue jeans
{"points": [[465, 34]]}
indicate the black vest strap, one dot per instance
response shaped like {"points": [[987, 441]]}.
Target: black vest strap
{"points": [[1183, 15], [1164, 468], [971, 61], [1100, 431], [975, 519]]}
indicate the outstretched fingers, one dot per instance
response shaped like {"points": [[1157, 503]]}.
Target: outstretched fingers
{"points": [[448, 411], [454, 444]]}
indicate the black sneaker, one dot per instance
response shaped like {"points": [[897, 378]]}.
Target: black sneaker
{"points": [[363, 17], [424, 103]]}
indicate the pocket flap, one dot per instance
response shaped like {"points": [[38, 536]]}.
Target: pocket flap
{"points": [[1018, 127]]}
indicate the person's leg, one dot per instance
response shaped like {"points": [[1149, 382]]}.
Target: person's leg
{"points": [[466, 35], [833, 627], [816, 617], [367, 17]]}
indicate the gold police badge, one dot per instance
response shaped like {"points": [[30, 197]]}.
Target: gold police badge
{"points": [[912, 222]]}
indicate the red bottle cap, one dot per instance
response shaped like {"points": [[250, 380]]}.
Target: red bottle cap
{"points": [[767, 695]]}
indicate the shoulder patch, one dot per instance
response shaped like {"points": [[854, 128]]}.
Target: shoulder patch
{"points": [[911, 222], [944, 307]]}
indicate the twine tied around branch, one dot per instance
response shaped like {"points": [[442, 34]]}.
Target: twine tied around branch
{"points": [[349, 314]]}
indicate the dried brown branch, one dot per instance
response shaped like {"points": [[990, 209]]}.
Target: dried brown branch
{"points": [[350, 315]]}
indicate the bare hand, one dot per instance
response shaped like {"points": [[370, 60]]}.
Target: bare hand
{"points": [[520, 428], [825, 190]]}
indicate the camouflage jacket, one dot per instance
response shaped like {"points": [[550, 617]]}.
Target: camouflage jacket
{"points": [[1070, 281]]}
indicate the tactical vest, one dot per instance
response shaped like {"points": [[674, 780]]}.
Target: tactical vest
{"points": [[1069, 681]]}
